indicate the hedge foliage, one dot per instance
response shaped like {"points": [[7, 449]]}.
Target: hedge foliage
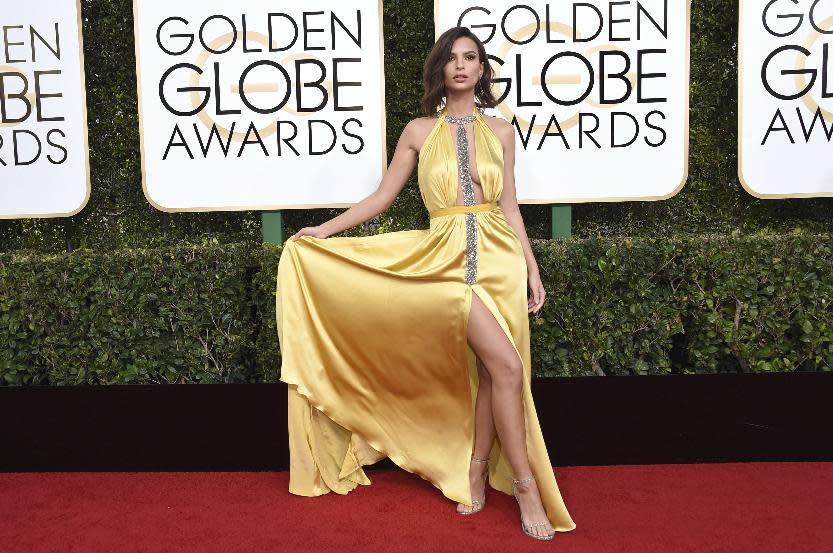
{"points": [[141, 316], [118, 216], [633, 306]]}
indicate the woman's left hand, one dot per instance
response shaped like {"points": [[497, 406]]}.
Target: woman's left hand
{"points": [[536, 298]]}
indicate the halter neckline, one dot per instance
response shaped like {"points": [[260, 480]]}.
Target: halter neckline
{"points": [[453, 119]]}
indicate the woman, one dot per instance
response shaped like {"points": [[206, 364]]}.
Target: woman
{"points": [[387, 340]]}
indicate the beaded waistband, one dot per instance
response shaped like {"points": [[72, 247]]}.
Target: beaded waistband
{"points": [[455, 209]]}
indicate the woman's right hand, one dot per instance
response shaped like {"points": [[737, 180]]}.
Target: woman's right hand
{"points": [[317, 232]]}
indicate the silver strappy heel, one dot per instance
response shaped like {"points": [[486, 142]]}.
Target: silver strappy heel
{"points": [[527, 528], [476, 504]]}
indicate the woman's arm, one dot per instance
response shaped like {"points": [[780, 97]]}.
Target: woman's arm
{"points": [[509, 204], [401, 166]]}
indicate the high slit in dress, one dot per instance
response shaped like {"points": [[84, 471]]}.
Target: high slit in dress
{"points": [[372, 333]]}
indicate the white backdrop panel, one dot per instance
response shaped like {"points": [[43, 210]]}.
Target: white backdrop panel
{"points": [[44, 162], [292, 92], [785, 121], [575, 141]]}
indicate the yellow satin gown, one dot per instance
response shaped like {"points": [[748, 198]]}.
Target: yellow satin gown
{"points": [[372, 332]]}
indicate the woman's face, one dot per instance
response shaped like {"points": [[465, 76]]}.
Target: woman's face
{"points": [[464, 67]]}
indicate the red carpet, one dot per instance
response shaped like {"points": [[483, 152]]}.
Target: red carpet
{"points": [[732, 508]]}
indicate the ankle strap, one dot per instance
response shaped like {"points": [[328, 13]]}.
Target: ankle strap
{"points": [[530, 479], [479, 460]]}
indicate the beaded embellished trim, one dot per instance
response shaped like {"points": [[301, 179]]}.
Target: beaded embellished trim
{"points": [[464, 174]]}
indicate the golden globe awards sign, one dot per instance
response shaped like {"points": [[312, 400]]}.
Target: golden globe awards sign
{"points": [[259, 104], [597, 92], [785, 98], [44, 163]]}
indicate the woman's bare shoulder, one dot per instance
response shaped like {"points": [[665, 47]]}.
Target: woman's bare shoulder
{"points": [[418, 130], [422, 123], [502, 128], [498, 124]]}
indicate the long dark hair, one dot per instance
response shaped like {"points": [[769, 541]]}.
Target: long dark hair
{"points": [[432, 73]]}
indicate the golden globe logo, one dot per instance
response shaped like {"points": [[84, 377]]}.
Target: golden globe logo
{"points": [[30, 92], [259, 105], [782, 25], [529, 40], [223, 84], [595, 92], [224, 42], [522, 34], [44, 154], [785, 98]]}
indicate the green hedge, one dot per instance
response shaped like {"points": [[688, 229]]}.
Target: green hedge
{"points": [[634, 306], [763, 305], [143, 316], [118, 216]]}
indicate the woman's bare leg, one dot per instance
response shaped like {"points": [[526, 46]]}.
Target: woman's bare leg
{"points": [[484, 435], [493, 348]]}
